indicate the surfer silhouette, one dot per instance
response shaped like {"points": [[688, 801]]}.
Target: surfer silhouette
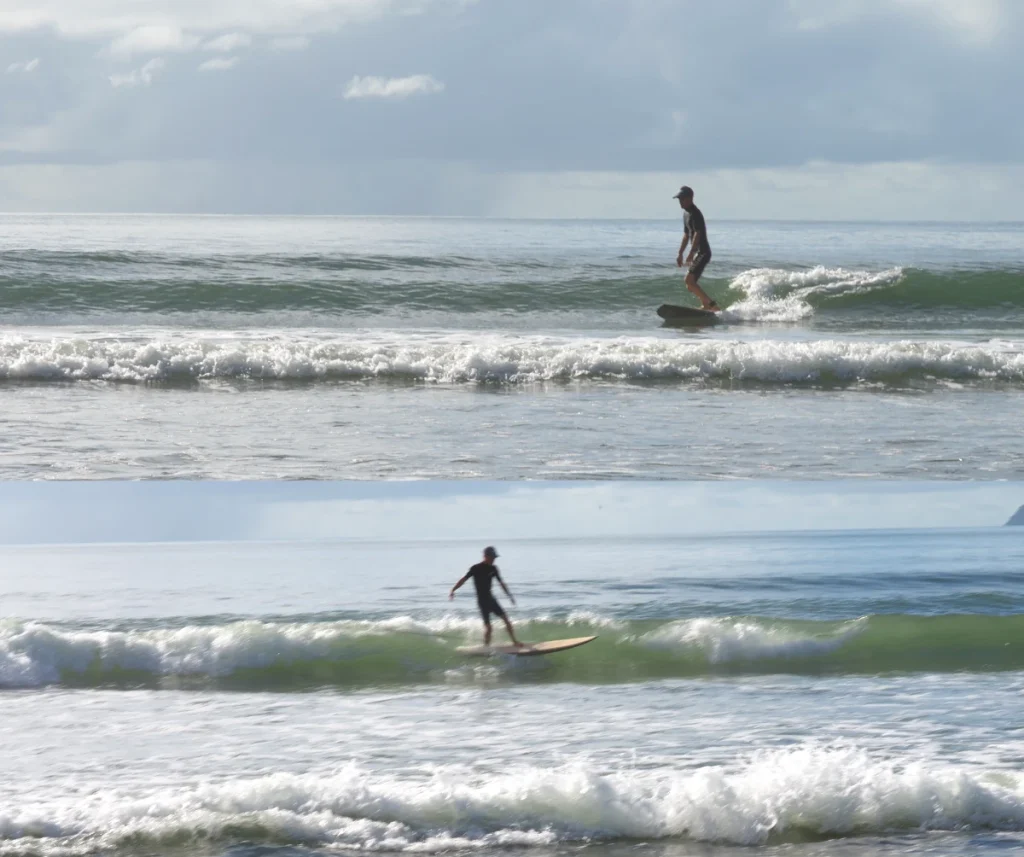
{"points": [[695, 233], [484, 574]]}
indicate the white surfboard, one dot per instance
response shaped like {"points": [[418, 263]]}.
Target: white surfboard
{"points": [[546, 648]]}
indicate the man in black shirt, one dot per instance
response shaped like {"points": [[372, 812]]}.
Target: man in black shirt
{"points": [[696, 234], [484, 574]]}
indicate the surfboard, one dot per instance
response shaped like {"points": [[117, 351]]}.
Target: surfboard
{"points": [[548, 647], [687, 315]]}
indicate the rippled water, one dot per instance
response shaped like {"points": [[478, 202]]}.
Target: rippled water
{"points": [[818, 692], [197, 347]]}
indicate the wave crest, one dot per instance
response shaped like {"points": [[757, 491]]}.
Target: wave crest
{"points": [[777, 295], [505, 359], [402, 650], [774, 796], [726, 640]]}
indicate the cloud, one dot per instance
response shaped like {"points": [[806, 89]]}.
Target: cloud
{"points": [[23, 67], [228, 42], [219, 64], [979, 22], [792, 109], [140, 76], [907, 191], [151, 39], [105, 18], [815, 191], [289, 43], [392, 87]]}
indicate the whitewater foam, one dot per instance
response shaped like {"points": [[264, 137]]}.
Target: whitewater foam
{"points": [[725, 640], [777, 295], [34, 654], [773, 796], [506, 359], [256, 654]]}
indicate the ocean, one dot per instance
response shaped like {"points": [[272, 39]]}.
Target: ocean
{"points": [[390, 348], [818, 692], [229, 635]]}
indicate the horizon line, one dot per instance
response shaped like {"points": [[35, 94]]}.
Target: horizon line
{"points": [[790, 220], [475, 540]]}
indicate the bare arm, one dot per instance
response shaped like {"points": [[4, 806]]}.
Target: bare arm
{"points": [[693, 246], [682, 247], [511, 597], [462, 580]]}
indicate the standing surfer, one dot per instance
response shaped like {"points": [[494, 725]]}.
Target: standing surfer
{"points": [[484, 574], [696, 234]]}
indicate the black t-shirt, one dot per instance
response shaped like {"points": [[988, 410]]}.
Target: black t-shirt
{"points": [[483, 575], [693, 222]]}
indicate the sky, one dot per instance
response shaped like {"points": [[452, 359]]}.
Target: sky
{"points": [[97, 512], [776, 109]]}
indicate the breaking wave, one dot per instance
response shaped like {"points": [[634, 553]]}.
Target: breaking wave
{"points": [[266, 655], [505, 359], [771, 797], [52, 284]]}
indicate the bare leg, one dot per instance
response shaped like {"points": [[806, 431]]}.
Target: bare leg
{"points": [[705, 301], [487, 632], [511, 633]]}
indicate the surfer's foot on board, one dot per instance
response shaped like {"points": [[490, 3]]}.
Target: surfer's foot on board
{"points": [[712, 307]]}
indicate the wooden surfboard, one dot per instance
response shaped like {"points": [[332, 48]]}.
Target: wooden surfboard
{"points": [[548, 647]]}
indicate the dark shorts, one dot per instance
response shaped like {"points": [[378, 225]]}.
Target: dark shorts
{"points": [[700, 262], [488, 606]]}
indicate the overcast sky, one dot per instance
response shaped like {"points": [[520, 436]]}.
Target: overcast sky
{"points": [[770, 108], [71, 512]]}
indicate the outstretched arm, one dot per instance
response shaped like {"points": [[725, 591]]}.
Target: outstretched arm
{"points": [[462, 580], [511, 597]]}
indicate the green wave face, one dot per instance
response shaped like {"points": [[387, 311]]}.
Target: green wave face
{"points": [[54, 282], [256, 655], [918, 289]]}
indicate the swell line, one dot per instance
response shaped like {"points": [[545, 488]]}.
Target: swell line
{"points": [[348, 653]]}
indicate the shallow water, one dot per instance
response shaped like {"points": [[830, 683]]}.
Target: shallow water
{"points": [[812, 693]]}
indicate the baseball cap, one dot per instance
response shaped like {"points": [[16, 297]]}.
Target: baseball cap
{"points": [[684, 191], [491, 552]]}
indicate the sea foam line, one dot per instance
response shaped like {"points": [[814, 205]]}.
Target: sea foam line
{"points": [[35, 654], [405, 649], [773, 796], [451, 358]]}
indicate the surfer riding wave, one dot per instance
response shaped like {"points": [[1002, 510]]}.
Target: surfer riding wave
{"points": [[695, 233], [484, 574]]}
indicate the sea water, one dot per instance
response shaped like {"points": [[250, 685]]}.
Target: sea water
{"points": [[800, 693], [379, 348]]}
